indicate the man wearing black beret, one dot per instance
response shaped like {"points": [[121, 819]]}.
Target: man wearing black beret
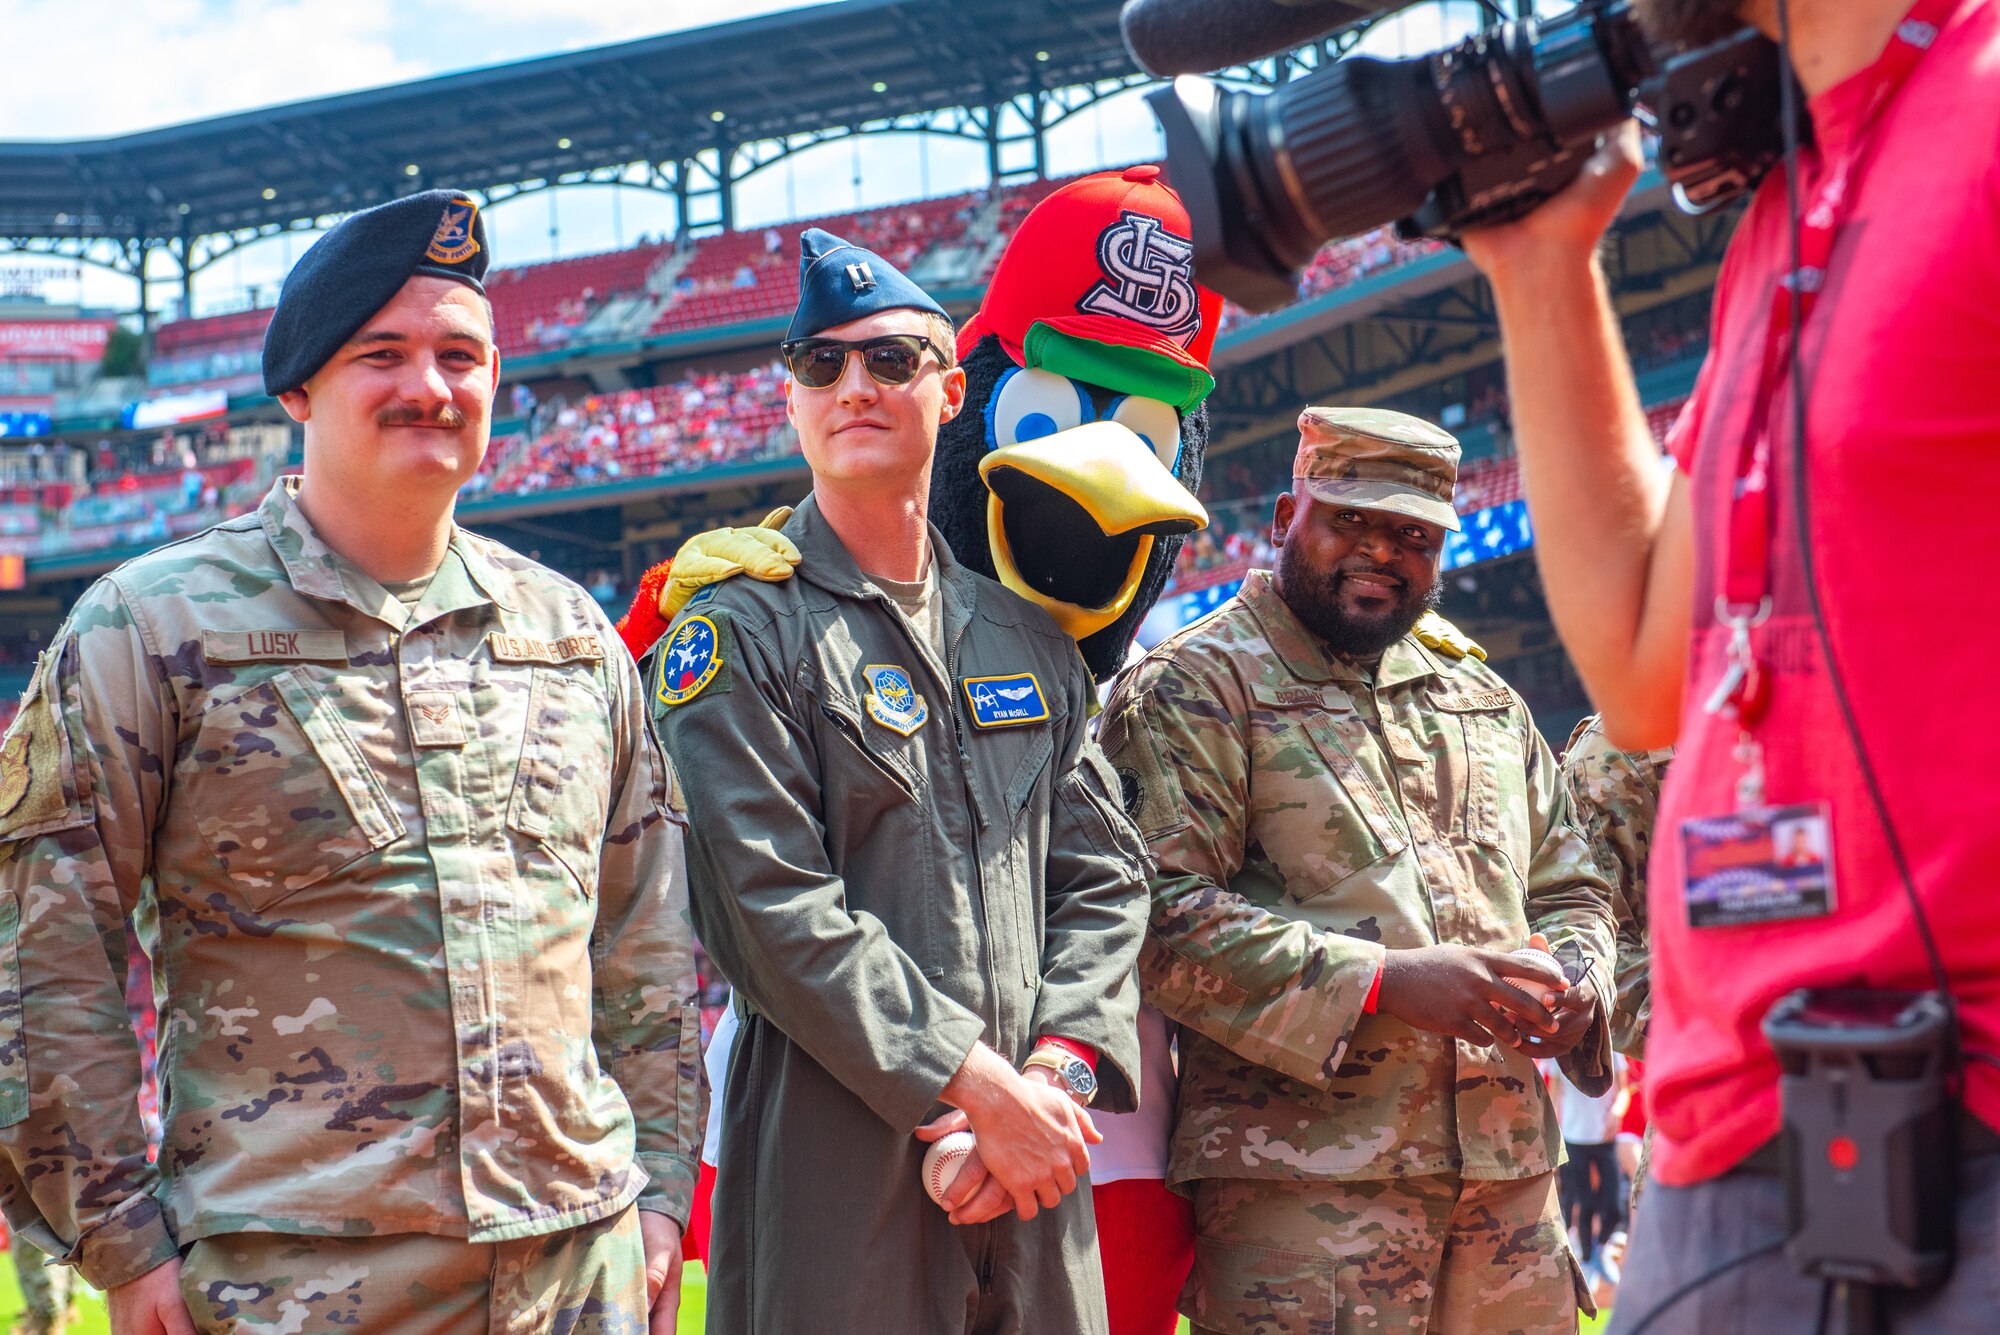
{"points": [[411, 871]]}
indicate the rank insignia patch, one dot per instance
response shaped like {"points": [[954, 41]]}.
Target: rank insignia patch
{"points": [[892, 701], [689, 660], [1002, 702]]}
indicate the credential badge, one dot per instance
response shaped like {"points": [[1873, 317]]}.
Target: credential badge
{"points": [[892, 701]]}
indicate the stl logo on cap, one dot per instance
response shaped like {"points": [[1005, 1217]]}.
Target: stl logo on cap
{"points": [[453, 243], [1148, 277]]}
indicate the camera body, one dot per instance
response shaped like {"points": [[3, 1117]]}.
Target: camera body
{"points": [[1479, 133], [1870, 1145]]}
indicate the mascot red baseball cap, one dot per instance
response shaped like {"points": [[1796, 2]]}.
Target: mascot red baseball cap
{"points": [[1097, 284]]}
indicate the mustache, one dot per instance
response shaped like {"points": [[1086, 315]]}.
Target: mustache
{"points": [[1367, 568], [406, 414]]}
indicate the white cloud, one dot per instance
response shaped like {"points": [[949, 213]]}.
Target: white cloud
{"points": [[80, 68], [90, 67]]}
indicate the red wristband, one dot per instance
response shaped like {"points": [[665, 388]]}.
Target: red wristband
{"points": [[1083, 1052], [1374, 991]]}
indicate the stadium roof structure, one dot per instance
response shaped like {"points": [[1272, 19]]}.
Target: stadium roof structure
{"points": [[672, 100]]}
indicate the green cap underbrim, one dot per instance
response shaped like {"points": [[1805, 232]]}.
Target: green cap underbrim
{"points": [[1128, 370]]}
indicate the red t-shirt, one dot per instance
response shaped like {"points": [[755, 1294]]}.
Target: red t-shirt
{"points": [[1902, 357]]}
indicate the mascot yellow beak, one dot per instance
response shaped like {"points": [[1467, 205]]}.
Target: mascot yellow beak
{"points": [[1071, 520]]}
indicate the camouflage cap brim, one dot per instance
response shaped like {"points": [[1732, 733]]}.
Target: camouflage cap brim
{"points": [[1374, 494]]}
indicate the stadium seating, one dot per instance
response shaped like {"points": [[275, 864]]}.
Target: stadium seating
{"points": [[537, 306], [754, 274]]}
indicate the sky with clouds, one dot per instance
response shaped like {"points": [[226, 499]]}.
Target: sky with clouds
{"points": [[96, 67]]}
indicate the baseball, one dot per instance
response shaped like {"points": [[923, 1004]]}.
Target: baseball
{"points": [[943, 1160], [1540, 957]]}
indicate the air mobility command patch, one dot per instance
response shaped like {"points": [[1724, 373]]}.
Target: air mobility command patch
{"points": [[1005, 702], [892, 701], [691, 658]]}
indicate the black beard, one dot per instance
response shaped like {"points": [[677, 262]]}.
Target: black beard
{"points": [[1694, 23], [1314, 597]]}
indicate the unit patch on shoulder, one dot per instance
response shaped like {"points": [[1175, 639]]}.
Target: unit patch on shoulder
{"points": [[891, 700], [1003, 702], [690, 658]]}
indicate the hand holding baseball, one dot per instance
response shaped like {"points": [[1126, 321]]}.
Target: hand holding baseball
{"points": [[1033, 1139]]}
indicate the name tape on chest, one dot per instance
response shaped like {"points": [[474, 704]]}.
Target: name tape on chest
{"points": [[550, 653], [1005, 701], [1472, 702], [273, 646]]}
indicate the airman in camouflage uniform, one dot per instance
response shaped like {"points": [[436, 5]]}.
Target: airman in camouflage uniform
{"points": [[1352, 823], [1617, 796], [406, 860]]}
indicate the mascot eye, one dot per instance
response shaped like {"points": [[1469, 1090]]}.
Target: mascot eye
{"points": [[1029, 403], [1154, 422]]}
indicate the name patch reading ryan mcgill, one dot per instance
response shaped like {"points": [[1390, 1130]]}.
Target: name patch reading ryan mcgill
{"points": [[267, 646], [1002, 702], [525, 649]]}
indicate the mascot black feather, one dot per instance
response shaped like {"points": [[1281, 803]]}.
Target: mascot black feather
{"points": [[1070, 475]]}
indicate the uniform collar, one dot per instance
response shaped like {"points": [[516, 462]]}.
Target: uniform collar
{"points": [[1305, 655], [316, 570], [826, 561]]}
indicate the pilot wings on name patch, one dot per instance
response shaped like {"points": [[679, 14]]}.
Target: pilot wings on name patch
{"points": [[1003, 702]]}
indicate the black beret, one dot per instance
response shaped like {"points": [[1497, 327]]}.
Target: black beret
{"points": [[357, 267], [839, 281]]}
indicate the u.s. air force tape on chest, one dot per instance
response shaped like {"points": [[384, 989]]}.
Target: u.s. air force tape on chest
{"points": [[273, 646], [526, 649]]}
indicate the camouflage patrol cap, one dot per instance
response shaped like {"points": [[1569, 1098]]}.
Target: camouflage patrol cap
{"points": [[1374, 459]]}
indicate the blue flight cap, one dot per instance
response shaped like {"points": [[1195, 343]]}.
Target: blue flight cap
{"points": [[354, 270], [839, 281]]}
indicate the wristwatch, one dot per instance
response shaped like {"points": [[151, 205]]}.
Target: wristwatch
{"points": [[1074, 1070]]}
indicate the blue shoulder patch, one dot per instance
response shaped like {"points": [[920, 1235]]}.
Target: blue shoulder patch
{"points": [[1003, 702], [690, 657]]}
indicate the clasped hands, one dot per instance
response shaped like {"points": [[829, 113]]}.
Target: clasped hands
{"points": [[1034, 1139], [1488, 997]]}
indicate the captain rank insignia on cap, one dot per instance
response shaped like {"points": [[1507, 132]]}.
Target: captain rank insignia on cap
{"points": [[892, 701], [1003, 702], [689, 660]]}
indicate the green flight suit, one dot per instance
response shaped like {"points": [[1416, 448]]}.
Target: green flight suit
{"points": [[892, 858]]}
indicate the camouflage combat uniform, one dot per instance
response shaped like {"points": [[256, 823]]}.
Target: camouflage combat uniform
{"points": [[1350, 1172], [48, 1292], [1617, 798], [416, 903]]}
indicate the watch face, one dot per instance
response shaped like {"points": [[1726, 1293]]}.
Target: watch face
{"points": [[1082, 1082]]}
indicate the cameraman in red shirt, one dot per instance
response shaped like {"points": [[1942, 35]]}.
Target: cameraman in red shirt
{"points": [[1678, 586]]}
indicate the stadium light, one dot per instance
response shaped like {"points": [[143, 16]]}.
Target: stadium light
{"points": [[269, 193], [411, 169], [881, 87], [563, 142], [717, 117], [184, 210], [1042, 56]]}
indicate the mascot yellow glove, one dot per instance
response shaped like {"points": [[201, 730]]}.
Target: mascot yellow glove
{"points": [[1446, 638], [724, 553]]}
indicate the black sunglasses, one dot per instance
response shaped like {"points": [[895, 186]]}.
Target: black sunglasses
{"points": [[892, 359]]}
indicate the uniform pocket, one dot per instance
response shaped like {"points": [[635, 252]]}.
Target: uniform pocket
{"points": [[280, 792], [1316, 810], [1238, 1288], [13, 1046], [562, 786]]}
